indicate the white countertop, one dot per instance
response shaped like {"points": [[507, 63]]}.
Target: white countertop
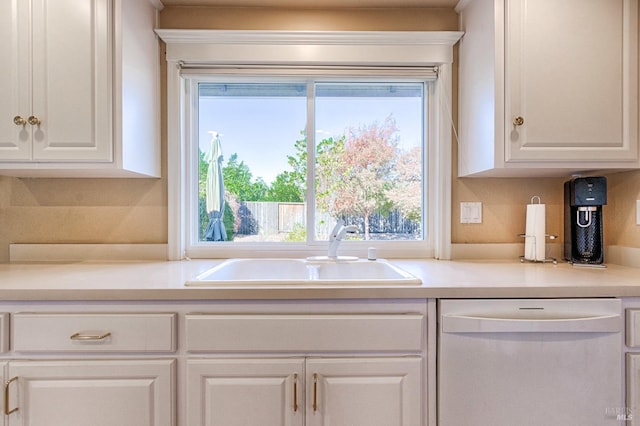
{"points": [[440, 279]]}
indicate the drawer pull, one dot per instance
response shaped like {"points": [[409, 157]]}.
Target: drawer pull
{"points": [[79, 336], [6, 397]]}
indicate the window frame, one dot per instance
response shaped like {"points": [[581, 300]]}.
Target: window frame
{"points": [[219, 48]]}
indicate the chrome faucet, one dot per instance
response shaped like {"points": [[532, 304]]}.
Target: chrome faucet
{"points": [[337, 234]]}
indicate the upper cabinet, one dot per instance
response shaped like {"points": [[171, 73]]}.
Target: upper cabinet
{"points": [[80, 84], [547, 87]]}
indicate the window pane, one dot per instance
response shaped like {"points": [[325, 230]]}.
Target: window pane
{"points": [[369, 159], [250, 135]]}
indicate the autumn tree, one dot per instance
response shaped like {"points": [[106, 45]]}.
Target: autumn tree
{"points": [[356, 174], [407, 184]]}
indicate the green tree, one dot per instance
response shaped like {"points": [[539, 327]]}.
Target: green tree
{"points": [[237, 180], [298, 162], [285, 188]]}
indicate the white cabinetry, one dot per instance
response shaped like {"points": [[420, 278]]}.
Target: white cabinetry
{"points": [[237, 392], [193, 363], [312, 369], [547, 87], [94, 383], [366, 391], [96, 392], [631, 412], [80, 87]]}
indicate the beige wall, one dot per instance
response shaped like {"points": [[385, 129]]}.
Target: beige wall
{"points": [[135, 210]]}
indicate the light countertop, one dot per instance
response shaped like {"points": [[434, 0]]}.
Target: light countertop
{"points": [[440, 279]]}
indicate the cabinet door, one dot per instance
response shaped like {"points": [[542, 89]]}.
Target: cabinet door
{"points": [[15, 81], [245, 392], [571, 76], [72, 42], [364, 392], [631, 413], [98, 393], [3, 367]]}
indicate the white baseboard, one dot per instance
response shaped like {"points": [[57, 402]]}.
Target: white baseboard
{"points": [[85, 252]]}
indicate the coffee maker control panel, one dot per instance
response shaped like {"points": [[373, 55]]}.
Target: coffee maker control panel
{"points": [[589, 191]]}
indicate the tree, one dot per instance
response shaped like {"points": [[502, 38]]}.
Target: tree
{"points": [[405, 193], [238, 181], [285, 189], [355, 174]]}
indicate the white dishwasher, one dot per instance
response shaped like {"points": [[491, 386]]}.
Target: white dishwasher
{"points": [[530, 362]]}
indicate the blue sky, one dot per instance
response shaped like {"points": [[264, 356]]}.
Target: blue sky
{"points": [[262, 131]]}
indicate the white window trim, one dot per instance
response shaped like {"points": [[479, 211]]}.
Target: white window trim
{"points": [[308, 48]]}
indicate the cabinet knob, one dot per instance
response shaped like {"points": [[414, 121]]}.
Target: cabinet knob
{"points": [[19, 121], [518, 121], [33, 120]]}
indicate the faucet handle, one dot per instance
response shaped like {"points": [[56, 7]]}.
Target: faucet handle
{"points": [[352, 229]]}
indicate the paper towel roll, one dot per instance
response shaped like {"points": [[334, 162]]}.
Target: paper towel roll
{"points": [[534, 243]]}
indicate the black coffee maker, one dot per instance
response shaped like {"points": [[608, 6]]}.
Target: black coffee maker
{"points": [[583, 201]]}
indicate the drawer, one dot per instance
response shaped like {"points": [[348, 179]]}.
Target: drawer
{"points": [[85, 332], [632, 329], [305, 333]]}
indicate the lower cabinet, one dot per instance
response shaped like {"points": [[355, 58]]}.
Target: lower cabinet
{"points": [[630, 413], [90, 392], [368, 391], [209, 363]]}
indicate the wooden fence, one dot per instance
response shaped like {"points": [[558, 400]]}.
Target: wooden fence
{"points": [[268, 218]]}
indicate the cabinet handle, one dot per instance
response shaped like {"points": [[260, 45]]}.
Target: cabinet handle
{"points": [[33, 120], [315, 392], [6, 396], [518, 121], [19, 121], [295, 393], [78, 336]]}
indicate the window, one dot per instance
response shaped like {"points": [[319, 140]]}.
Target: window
{"points": [[365, 141], [270, 156]]}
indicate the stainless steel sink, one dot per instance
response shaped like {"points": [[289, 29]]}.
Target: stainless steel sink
{"points": [[317, 271]]}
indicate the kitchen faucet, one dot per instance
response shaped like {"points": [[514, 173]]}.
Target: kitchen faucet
{"points": [[337, 234]]}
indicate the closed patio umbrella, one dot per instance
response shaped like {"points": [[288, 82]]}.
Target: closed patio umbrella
{"points": [[215, 191]]}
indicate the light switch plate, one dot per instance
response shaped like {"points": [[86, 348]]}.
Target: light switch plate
{"points": [[471, 212]]}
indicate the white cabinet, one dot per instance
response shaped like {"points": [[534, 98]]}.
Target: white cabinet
{"points": [[57, 61], [376, 391], [208, 362], [314, 369], [631, 412], [547, 87], [238, 392], [359, 391], [96, 392], [95, 383], [80, 84]]}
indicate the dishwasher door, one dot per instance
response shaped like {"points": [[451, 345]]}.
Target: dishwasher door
{"points": [[537, 362]]}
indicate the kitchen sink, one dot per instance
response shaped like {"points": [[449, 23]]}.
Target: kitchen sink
{"points": [[305, 272]]}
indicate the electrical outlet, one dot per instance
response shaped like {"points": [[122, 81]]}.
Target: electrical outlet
{"points": [[470, 212]]}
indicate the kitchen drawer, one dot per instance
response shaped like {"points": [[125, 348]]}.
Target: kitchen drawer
{"points": [[85, 332], [632, 332], [305, 333]]}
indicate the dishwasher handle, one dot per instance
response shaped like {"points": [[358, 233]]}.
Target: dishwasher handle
{"points": [[452, 323]]}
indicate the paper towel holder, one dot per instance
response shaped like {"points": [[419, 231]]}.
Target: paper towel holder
{"points": [[551, 237]]}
